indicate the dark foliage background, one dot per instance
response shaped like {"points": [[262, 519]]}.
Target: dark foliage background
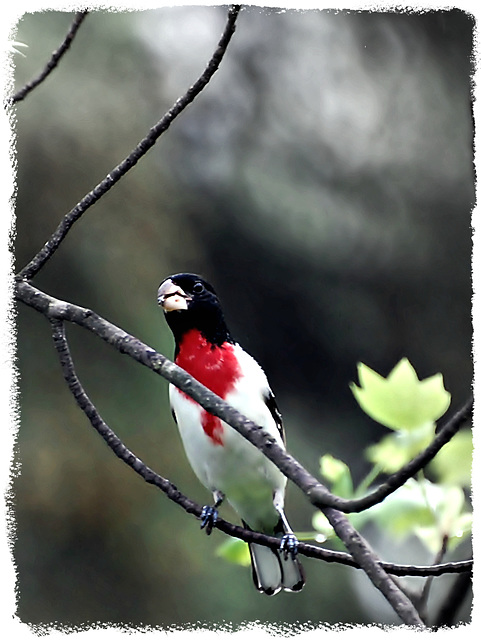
{"points": [[323, 183]]}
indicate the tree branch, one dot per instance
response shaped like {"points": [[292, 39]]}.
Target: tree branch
{"points": [[317, 493], [54, 60], [462, 566], [55, 309], [355, 544], [140, 150], [171, 491]]}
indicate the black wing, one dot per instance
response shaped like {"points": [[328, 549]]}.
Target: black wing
{"points": [[271, 404]]}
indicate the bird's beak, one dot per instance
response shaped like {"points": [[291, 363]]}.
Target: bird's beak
{"points": [[171, 297]]}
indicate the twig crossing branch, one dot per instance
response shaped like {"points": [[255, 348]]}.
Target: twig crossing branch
{"points": [[125, 343], [171, 491]]}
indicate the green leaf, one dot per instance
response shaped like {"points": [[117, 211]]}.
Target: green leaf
{"points": [[401, 401], [405, 509], [419, 508], [396, 449], [235, 551], [324, 529], [452, 465], [454, 520], [321, 525], [426, 510], [338, 474]]}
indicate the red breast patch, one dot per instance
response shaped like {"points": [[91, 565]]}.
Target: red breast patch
{"points": [[214, 367]]}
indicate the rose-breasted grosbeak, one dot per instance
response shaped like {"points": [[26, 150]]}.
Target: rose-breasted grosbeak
{"points": [[225, 462]]}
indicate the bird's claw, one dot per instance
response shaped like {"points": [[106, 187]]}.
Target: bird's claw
{"points": [[289, 545], [208, 519]]}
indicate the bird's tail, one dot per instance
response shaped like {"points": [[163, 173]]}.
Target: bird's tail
{"points": [[272, 570]]}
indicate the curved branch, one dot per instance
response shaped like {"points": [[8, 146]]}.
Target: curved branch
{"points": [[54, 60], [171, 491], [55, 309], [112, 440], [354, 542], [317, 493], [131, 160]]}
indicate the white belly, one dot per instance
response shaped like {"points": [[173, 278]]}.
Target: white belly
{"points": [[235, 467]]}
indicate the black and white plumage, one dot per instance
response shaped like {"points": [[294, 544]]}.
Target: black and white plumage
{"points": [[225, 462]]}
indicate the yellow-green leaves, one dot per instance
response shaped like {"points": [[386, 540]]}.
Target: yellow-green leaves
{"points": [[405, 404], [452, 465], [338, 474], [396, 449], [437, 513], [235, 551], [429, 511], [401, 401]]}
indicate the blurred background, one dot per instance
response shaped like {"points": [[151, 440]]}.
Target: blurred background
{"points": [[323, 182]]}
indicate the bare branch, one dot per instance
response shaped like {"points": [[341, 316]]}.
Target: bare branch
{"points": [[113, 441], [317, 493], [372, 566], [355, 544], [54, 60], [140, 150], [462, 566], [171, 491], [55, 309]]}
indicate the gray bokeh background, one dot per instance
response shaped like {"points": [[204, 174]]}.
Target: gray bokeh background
{"points": [[323, 182]]}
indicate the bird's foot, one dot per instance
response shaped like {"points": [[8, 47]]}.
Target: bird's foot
{"points": [[208, 518], [289, 545]]}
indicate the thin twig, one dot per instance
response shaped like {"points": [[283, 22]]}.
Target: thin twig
{"points": [[131, 160], [453, 600], [424, 595], [54, 60], [171, 491]]}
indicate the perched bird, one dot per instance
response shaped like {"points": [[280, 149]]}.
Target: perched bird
{"points": [[223, 460]]}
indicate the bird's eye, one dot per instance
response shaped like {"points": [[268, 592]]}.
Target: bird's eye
{"points": [[198, 287]]}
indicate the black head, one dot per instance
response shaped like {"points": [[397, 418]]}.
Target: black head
{"points": [[189, 302]]}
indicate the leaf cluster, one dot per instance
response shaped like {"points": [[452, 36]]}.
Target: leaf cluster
{"points": [[436, 510]]}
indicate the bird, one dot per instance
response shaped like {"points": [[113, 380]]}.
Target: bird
{"points": [[226, 463]]}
